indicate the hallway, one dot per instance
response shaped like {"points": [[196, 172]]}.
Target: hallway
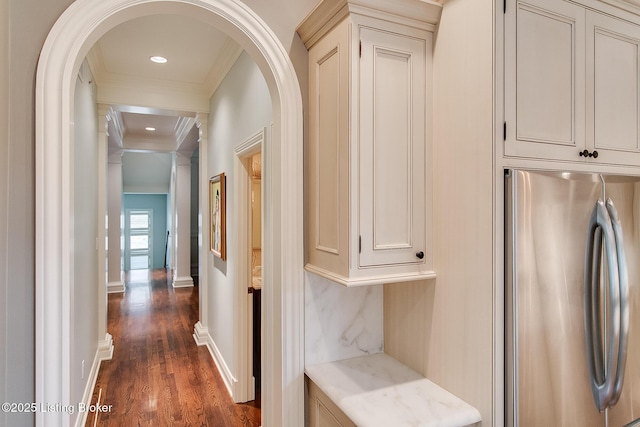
{"points": [[158, 376]]}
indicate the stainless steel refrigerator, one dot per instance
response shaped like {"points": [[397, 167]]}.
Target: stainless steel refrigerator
{"points": [[572, 299]]}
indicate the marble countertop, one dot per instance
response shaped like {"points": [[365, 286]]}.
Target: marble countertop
{"points": [[377, 390]]}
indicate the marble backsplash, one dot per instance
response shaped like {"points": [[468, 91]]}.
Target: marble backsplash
{"points": [[340, 322]]}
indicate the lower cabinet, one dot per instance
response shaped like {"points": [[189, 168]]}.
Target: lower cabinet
{"points": [[322, 412]]}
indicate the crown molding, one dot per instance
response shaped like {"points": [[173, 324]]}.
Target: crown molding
{"points": [[122, 89], [155, 93], [94, 60], [201, 123], [227, 57], [328, 13], [183, 128], [115, 117]]}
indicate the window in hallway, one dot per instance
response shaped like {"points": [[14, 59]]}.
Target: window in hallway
{"points": [[139, 234]]}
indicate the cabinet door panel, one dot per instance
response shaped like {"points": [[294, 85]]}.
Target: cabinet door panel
{"points": [[612, 94], [392, 148], [545, 80], [391, 122], [322, 411], [325, 417], [328, 158], [329, 152]]}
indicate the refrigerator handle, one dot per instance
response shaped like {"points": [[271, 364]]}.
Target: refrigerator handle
{"points": [[623, 283], [635, 423], [602, 377]]}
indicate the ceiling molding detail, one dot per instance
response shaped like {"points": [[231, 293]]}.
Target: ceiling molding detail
{"points": [[94, 60], [228, 56], [329, 13], [183, 128], [153, 93], [118, 88], [201, 123], [114, 117]]}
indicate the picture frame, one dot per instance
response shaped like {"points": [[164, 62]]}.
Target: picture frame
{"points": [[217, 216]]}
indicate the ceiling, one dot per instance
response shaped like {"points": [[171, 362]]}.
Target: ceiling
{"points": [[198, 57]]}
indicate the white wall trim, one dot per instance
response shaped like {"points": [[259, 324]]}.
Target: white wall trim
{"points": [[115, 287], [104, 352], [183, 282], [66, 46], [203, 337]]}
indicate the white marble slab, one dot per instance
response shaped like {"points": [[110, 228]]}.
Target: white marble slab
{"points": [[378, 390], [341, 322]]}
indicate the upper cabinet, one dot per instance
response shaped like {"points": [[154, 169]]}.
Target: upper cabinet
{"points": [[368, 174], [571, 84], [613, 89]]}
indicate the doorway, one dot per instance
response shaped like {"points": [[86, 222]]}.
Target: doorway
{"points": [[256, 269], [249, 189], [138, 233], [66, 46]]}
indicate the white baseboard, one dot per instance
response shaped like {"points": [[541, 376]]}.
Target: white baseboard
{"points": [[182, 282], [201, 334], [104, 352], [202, 337], [115, 287]]}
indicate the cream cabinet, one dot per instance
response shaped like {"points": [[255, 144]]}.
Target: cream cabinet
{"points": [[571, 84], [322, 412], [613, 89], [368, 169], [545, 80]]}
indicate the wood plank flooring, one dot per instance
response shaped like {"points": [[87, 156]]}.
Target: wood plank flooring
{"points": [[158, 375]]}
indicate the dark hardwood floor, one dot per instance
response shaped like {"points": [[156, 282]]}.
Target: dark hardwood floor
{"points": [[158, 376]]}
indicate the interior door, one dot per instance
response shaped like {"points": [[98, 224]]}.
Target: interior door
{"points": [[138, 239]]}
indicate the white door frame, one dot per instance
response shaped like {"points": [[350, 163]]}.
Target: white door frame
{"points": [[66, 46], [242, 189]]}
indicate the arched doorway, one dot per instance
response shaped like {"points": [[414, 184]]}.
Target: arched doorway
{"points": [[70, 39]]}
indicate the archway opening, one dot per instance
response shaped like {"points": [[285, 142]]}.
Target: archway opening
{"points": [[67, 44]]}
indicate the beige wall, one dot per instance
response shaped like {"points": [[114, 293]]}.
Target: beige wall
{"points": [[27, 32], [444, 328]]}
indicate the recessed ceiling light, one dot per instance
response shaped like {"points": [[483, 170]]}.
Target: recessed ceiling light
{"points": [[158, 59], [150, 129]]}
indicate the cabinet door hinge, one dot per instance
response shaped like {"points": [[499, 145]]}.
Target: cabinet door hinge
{"points": [[359, 244], [504, 131]]}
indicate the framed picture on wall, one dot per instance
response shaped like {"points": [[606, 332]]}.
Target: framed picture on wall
{"points": [[217, 211]]}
